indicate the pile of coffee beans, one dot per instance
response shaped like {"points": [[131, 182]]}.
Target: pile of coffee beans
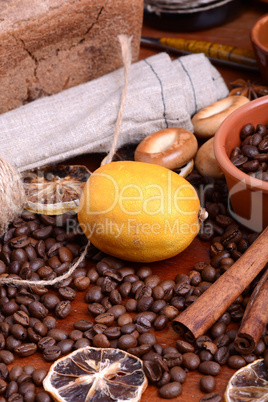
{"points": [[127, 307], [22, 384], [252, 155]]}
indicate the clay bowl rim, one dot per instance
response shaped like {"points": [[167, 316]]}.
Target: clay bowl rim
{"points": [[255, 31], [220, 150]]}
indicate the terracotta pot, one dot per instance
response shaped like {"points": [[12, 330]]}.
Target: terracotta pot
{"points": [[248, 196], [259, 39]]}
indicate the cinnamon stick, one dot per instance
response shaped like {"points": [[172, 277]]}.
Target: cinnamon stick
{"points": [[255, 318], [209, 307]]}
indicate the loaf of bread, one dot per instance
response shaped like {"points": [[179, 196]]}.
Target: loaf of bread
{"points": [[51, 45]]}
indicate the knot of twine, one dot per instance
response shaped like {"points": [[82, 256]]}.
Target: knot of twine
{"points": [[12, 195]]}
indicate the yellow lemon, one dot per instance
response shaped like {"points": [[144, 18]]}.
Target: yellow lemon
{"points": [[139, 211]]}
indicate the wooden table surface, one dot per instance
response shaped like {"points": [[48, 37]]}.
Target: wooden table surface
{"points": [[235, 32]]}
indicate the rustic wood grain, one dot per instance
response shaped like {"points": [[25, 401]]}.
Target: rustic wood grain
{"points": [[235, 32]]}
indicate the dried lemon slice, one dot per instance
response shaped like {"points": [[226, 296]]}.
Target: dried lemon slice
{"points": [[250, 383], [96, 374], [54, 190]]}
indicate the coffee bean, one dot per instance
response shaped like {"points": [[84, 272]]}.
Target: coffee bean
{"points": [[67, 293], [152, 281], [171, 390], [247, 129], [172, 359], [16, 397], [211, 397], [178, 302], [107, 285], [190, 360], [207, 384], [158, 292], [11, 389], [101, 341], [51, 353], [147, 338], [221, 356], [38, 376], [158, 305], [12, 342], [112, 332], [18, 331], [170, 312], [217, 329], [49, 322], [63, 309], [37, 310], [160, 322], [2, 341], [21, 318], [125, 289], [9, 307], [209, 368], [135, 286], [66, 345], [260, 348], [152, 370], [201, 339], [95, 309], [184, 347], [3, 386], [177, 374], [75, 334], [165, 379], [105, 318], [50, 301], [144, 303], [144, 272], [236, 362], [99, 328], [83, 325], [15, 372], [6, 357], [139, 350], [81, 283], [128, 275], [117, 310], [106, 303], [149, 315], [143, 291], [19, 241], [43, 233], [57, 334], [216, 260], [81, 343], [127, 341], [124, 319], [42, 396], [26, 349], [94, 294]]}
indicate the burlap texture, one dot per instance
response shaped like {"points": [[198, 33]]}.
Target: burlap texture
{"points": [[161, 93]]}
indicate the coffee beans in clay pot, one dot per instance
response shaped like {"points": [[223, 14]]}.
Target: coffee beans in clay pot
{"points": [[123, 307], [251, 156]]}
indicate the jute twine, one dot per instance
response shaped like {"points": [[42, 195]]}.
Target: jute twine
{"points": [[12, 195]]}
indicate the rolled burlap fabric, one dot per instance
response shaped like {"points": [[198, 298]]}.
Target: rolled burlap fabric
{"points": [[161, 93]]}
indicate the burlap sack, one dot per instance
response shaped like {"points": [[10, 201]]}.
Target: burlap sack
{"points": [[161, 93]]}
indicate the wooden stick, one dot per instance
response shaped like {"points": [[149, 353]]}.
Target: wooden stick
{"points": [[255, 318], [209, 307]]}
